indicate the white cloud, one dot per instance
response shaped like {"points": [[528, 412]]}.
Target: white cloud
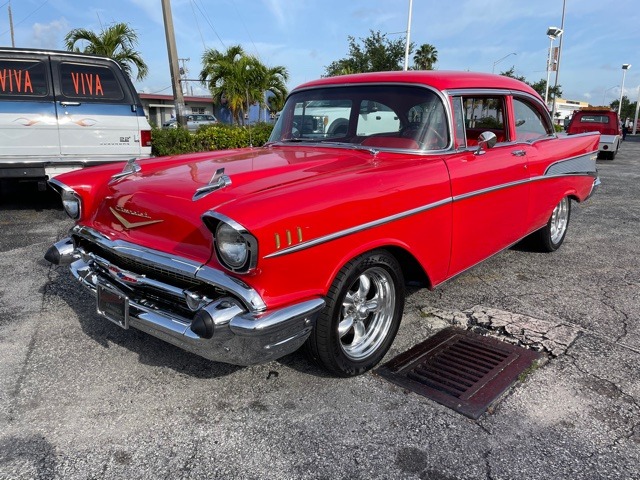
{"points": [[49, 35]]}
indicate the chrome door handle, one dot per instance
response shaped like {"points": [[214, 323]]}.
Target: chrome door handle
{"points": [[519, 153], [70, 104]]}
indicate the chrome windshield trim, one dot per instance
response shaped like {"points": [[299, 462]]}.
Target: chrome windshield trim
{"points": [[183, 266], [358, 228]]}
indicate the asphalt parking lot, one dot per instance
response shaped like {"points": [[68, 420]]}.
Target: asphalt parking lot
{"points": [[81, 398]]}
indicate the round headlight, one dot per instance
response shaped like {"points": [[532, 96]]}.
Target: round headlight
{"points": [[232, 246], [71, 204]]}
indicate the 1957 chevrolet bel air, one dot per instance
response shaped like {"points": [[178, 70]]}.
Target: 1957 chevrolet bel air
{"points": [[368, 181]]}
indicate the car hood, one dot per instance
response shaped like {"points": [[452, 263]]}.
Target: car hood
{"points": [[155, 207]]}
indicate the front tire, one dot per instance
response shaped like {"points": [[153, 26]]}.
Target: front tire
{"points": [[362, 316], [550, 237]]}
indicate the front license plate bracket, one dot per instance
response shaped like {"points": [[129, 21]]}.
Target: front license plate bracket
{"points": [[113, 305]]}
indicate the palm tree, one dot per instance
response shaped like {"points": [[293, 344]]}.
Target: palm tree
{"points": [[425, 58], [117, 41], [240, 79]]}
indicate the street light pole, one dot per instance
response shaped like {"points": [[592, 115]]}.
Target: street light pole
{"points": [[552, 33], [625, 67], [493, 69], [605, 93], [555, 86], [635, 120]]}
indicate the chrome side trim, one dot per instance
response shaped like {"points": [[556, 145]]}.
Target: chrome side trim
{"points": [[183, 266], [582, 165], [358, 228]]}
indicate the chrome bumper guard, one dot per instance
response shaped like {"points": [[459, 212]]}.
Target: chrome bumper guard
{"points": [[226, 329], [594, 187]]}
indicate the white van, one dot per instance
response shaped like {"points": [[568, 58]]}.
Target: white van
{"points": [[60, 111]]}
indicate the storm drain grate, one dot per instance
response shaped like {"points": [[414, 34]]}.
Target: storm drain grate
{"points": [[462, 370]]}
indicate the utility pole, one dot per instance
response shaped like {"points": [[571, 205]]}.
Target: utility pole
{"points": [[183, 74], [173, 63], [13, 42]]}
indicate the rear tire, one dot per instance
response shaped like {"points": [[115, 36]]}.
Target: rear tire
{"points": [[362, 316], [550, 237]]}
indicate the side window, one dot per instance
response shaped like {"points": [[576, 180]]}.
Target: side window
{"points": [[458, 119], [89, 82], [23, 79], [483, 114], [530, 122]]}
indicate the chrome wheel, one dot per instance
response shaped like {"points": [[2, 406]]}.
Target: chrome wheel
{"points": [[367, 313], [559, 221], [364, 309]]}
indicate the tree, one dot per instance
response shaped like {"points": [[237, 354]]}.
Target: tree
{"points": [[628, 109], [240, 80], [425, 58], [118, 41], [376, 53], [539, 86]]}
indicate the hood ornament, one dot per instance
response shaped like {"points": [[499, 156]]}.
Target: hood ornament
{"points": [[218, 181], [130, 168]]}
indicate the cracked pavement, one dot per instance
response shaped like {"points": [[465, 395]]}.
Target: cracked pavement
{"points": [[81, 398]]}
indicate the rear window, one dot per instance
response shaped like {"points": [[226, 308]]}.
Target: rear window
{"points": [[89, 82], [594, 119], [23, 78]]}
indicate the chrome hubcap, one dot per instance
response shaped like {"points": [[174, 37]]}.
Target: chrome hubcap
{"points": [[559, 220], [367, 313]]}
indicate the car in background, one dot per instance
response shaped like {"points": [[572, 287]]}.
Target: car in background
{"points": [[194, 121], [61, 111], [243, 256], [602, 120]]}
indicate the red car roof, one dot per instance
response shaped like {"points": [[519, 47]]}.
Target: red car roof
{"points": [[442, 80]]}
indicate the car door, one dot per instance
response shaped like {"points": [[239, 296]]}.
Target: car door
{"points": [[97, 112], [28, 125], [489, 186]]}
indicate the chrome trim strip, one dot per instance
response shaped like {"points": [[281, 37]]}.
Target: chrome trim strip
{"points": [[358, 228], [577, 166], [182, 266]]}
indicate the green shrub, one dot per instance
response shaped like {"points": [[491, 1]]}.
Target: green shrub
{"points": [[211, 137]]}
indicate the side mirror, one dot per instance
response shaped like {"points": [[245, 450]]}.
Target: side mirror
{"points": [[486, 140]]}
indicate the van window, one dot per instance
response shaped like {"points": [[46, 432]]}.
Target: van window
{"points": [[89, 82], [23, 78]]}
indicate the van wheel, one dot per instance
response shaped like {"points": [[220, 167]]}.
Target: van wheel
{"points": [[362, 316], [550, 237]]}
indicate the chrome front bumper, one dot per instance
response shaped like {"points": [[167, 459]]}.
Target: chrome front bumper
{"points": [[224, 329]]}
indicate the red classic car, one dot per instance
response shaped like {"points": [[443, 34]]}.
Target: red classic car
{"points": [[368, 181]]}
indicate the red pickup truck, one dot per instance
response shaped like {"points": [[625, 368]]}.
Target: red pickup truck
{"points": [[598, 119]]}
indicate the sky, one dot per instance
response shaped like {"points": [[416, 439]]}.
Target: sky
{"points": [[305, 36]]}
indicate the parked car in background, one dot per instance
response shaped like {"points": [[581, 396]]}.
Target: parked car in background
{"points": [[60, 111], [194, 121], [244, 256], [602, 120]]}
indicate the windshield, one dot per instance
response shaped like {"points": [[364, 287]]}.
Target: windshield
{"points": [[380, 116]]}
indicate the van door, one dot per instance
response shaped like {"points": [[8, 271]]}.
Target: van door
{"points": [[28, 125], [98, 112]]}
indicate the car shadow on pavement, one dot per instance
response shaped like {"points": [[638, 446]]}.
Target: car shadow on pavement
{"points": [[151, 351], [27, 195]]}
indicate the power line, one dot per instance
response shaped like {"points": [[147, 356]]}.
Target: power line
{"points": [[204, 45], [206, 17], [246, 30], [25, 18]]}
